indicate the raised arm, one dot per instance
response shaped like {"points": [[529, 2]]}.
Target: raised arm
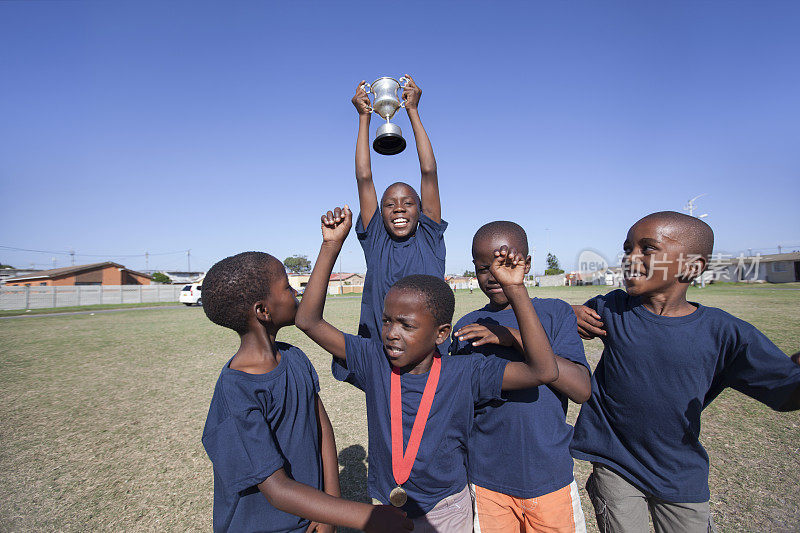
{"points": [[429, 189], [367, 197], [299, 499], [540, 367], [335, 227], [573, 379]]}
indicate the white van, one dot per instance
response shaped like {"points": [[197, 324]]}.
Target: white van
{"points": [[190, 294]]}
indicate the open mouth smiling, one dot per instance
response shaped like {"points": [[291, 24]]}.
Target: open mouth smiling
{"points": [[400, 222]]}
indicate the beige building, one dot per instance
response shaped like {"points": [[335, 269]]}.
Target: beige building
{"points": [[106, 273], [346, 283], [298, 281], [772, 268]]}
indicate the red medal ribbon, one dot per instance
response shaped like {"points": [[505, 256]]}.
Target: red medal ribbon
{"points": [[402, 463]]}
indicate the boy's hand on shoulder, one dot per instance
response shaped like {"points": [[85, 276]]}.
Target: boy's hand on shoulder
{"points": [[508, 267], [336, 224], [411, 93], [590, 324], [388, 519], [361, 100], [481, 334]]}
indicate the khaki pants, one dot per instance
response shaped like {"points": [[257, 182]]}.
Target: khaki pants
{"points": [[451, 515], [621, 507]]}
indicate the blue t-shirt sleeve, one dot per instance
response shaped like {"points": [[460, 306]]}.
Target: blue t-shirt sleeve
{"points": [[761, 370], [595, 303], [242, 448], [566, 342], [458, 347], [370, 236], [313, 373], [433, 235], [362, 358], [487, 377]]}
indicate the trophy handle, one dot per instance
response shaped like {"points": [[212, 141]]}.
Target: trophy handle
{"points": [[404, 82], [368, 89]]}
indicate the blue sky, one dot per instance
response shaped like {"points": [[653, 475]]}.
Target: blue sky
{"points": [[226, 126]]}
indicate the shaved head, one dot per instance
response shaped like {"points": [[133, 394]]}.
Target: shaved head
{"points": [[403, 186], [693, 234], [510, 233]]}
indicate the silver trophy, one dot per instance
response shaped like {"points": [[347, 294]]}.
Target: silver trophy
{"points": [[385, 102]]}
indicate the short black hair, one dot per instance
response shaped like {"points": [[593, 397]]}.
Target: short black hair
{"points": [[413, 190], [505, 230], [437, 293], [695, 235], [233, 285]]}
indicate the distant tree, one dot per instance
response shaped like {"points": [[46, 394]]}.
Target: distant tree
{"points": [[160, 277], [297, 264], [552, 266], [469, 274], [5, 266]]}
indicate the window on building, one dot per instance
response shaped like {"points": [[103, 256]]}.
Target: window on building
{"points": [[780, 266]]}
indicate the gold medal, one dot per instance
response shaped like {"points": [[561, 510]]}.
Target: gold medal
{"points": [[398, 497]]}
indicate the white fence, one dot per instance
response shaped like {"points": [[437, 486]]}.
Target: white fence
{"points": [[37, 297]]}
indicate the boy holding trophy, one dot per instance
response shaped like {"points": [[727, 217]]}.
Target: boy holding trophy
{"points": [[402, 234]]}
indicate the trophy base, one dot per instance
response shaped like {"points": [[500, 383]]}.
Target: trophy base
{"points": [[389, 144], [389, 140]]}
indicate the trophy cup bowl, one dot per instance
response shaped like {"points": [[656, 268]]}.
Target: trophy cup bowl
{"points": [[388, 139]]}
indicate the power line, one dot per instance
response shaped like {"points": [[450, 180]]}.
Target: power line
{"points": [[75, 254]]}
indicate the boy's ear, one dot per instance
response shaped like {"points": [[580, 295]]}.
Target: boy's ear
{"points": [[442, 333], [693, 267], [261, 311], [528, 264]]}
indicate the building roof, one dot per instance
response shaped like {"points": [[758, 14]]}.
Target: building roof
{"points": [[74, 269], [341, 276], [790, 256]]}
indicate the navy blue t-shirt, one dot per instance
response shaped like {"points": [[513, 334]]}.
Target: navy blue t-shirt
{"points": [[656, 376], [258, 423], [520, 447], [440, 469], [388, 261]]}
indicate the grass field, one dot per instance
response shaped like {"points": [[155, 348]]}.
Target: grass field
{"points": [[101, 417], [82, 308]]}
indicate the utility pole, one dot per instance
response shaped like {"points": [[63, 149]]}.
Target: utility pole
{"points": [[147, 260], [54, 261], [779, 248], [188, 260], [690, 206], [72, 257]]}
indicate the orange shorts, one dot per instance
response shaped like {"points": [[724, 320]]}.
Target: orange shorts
{"points": [[557, 512]]}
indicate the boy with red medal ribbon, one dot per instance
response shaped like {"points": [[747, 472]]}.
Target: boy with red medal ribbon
{"points": [[415, 398]]}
